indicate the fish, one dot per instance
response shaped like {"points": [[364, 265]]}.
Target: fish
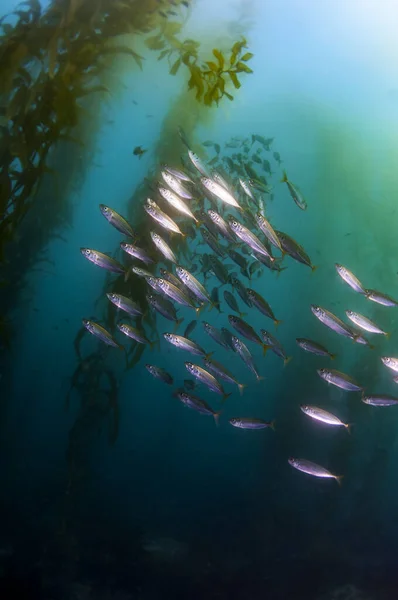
{"points": [[232, 303], [197, 163], [274, 344], [137, 252], [248, 423], [135, 334], [318, 414], [238, 258], [311, 468], [139, 151], [193, 284], [262, 305], [215, 299], [102, 260], [227, 337], [160, 373], [294, 250], [189, 384], [215, 334], [212, 242], [365, 323], [189, 328], [268, 230], [208, 143], [249, 238], [220, 192], [163, 247], [220, 180], [175, 293], [206, 378], [218, 370], [176, 203], [219, 270], [390, 362], [164, 307], [246, 330], [158, 215], [340, 380], [185, 344], [380, 298], [294, 192], [197, 404], [380, 400], [242, 291], [173, 279], [266, 142], [246, 188], [126, 304], [333, 322], [175, 185], [117, 221], [267, 167], [141, 272], [314, 348], [178, 174], [220, 224], [350, 279], [277, 157], [101, 333], [241, 349]]}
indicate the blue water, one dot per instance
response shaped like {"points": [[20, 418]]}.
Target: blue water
{"points": [[175, 506]]}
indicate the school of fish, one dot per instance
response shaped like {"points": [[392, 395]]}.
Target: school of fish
{"points": [[223, 209]]}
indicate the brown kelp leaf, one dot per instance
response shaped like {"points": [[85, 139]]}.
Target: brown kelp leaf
{"points": [[175, 67], [241, 67], [219, 57], [155, 43], [212, 66], [234, 79], [247, 56]]}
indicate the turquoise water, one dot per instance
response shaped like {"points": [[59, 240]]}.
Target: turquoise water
{"points": [[176, 506]]}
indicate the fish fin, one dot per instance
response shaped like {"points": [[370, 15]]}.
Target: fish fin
{"points": [[127, 274], [241, 387], [314, 268], [388, 334], [272, 425], [199, 309], [348, 426], [207, 356], [177, 324], [265, 349], [284, 177], [333, 356], [152, 344], [277, 322], [216, 416], [280, 271], [287, 360], [260, 378], [225, 396], [371, 346], [242, 314], [338, 478]]}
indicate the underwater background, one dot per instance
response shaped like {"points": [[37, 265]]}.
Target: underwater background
{"points": [[111, 488]]}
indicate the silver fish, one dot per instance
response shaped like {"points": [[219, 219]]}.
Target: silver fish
{"points": [[244, 293], [163, 247], [179, 174], [206, 378], [193, 284], [158, 215], [274, 344], [232, 303], [311, 468], [350, 278], [197, 404], [294, 192], [189, 328], [246, 330], [380, 400], [364, 323], [227, 337], [197, 163], [340, 380], [126, 304], [318, 414], [246, 188], [135, 334], [212, 241], [262, 305], [176, 202], [294, 249], [215, 334], [219, 269], [136, 252], [185, 344], [164, 307], [220, 192], [220, 224], [390, 362], [160, 373], [268, 230], [101, 333], [331, 321], [380, 298], [249, 238], [102, 260], [314, 347], [247, 423], [219, 370], [175, 293], [141, 272], [241, 349], [175, 185], [117, 220]]}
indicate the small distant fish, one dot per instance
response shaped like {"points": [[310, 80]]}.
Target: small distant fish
{"points": [[116, 220], [267, 167], [311, 468], [215, 334], [350, 279], [208, 144], [380, 298], [365, 323], [135, 334], [318, 414], [102, 260], [163, 247], [189, 329], [215, 299], [274, 344], [212, 242], [294, 192], [246, 330], [185, 344], [101, 333], [126, 304], [314, 347], [160, 373], [136, 252], [232, 303], [219, 270], [390, 362], [139, 151], [197, 404], [340, 380], [207, 379], [158, 215], [247, 423], [262, 305], [380, 400], [277, 157]]}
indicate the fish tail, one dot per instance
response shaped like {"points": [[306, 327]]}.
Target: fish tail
{"points": [[153, 344], [333, 356], [348, 426], [339, 478], [260, 378], [272, 425], [177, 324], [314, 268], [388, 334], [265, 348], [277, 322], [284, 177], [241, 387], [287, 360], [371, 346], [127, 274], [207, 356], [225, 396], [216, 416], [198, 309], [242, 314]]}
